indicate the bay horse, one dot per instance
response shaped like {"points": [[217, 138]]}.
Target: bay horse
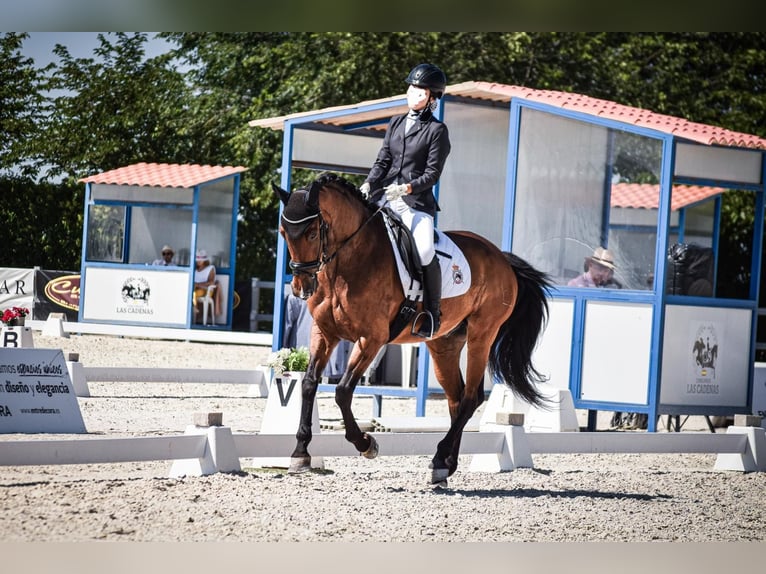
{"points": [[344, 266]]}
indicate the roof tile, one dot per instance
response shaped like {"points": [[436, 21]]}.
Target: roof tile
{"points": [[163, 175]]}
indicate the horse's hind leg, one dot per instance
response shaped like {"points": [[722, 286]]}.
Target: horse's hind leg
{"points": [[462, 402]]}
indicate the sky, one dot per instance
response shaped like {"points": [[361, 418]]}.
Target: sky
{"points": [[39, 45]]}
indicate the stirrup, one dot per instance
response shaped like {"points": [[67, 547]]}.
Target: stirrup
{"points": [[423, 332]]}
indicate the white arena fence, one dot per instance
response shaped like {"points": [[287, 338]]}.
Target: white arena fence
{"points": [[207, 450]]}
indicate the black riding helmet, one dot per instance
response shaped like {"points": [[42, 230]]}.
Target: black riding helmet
{"points": [[428, 76]]}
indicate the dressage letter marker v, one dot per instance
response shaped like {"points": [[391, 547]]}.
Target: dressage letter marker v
{"points": [[285, 399]]}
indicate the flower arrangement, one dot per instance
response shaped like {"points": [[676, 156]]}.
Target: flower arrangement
{"points": [[288, 360], [11, 316]]}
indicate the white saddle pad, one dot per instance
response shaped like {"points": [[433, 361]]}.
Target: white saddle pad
{"points": [[456, 273]]}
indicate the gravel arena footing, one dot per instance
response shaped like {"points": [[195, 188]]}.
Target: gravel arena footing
{"points": [[564, 498]]}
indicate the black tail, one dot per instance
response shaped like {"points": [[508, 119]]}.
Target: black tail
{"points": [[510, 358]]}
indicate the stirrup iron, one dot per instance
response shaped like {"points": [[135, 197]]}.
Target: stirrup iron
{"points": [[422, 332]]}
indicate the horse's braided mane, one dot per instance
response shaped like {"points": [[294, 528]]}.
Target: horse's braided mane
{"points": [[342, 184]]}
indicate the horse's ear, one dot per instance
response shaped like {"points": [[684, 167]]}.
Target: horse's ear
{"points": [[312, 199], [284, 196]]}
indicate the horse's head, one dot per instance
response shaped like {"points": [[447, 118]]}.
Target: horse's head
{"points": [[301, 225], [310, 230]]}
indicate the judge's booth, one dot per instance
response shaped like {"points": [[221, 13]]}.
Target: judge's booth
{"points": [[131, 213], [553, 176]]}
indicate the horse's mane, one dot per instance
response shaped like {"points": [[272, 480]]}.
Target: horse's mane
{"points": [[343, 185]]}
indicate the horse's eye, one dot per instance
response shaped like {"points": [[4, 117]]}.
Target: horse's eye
{"points": [[312, 234]]}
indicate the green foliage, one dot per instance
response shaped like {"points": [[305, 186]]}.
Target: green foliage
{"points": [[80, 116]]}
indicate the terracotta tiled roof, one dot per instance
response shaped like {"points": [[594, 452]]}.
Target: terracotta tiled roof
{"points": [[646, 195], [701, 133], [163, 174]]}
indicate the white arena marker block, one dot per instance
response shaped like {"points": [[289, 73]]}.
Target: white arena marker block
{"points": [[261, 387], [754, 457], [515, 453], [560, 416], [77, 376], [282, 415], [54, 326], [220, 454]]}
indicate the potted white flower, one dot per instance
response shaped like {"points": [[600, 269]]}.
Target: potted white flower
{"points": [[293, 360]]}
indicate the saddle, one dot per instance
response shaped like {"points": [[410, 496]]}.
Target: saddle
{"points": [[404, 243]]}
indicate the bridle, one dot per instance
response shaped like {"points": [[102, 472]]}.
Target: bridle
{"points": [[313, 268]]}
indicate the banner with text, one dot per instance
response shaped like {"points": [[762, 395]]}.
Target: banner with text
{"points": [[36, 394]]}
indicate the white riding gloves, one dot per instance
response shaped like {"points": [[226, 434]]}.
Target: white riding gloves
{"points": [[365, 189], [395, 191]]}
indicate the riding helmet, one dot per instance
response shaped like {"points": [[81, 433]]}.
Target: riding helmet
{"points": [[428, 76]]}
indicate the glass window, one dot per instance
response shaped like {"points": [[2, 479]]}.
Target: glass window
{"points": [[151, 228], [106, 233], [580, 188], [215, 221]]}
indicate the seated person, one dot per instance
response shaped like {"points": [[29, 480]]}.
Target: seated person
{"points": [[204, 277], [599, 271], [166, 258]]}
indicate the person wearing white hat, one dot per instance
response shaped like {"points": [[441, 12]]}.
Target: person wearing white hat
{"points": [[166, 258], [599, 272]]}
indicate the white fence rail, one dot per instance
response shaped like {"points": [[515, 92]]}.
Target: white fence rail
{"points": [[205, 450]]}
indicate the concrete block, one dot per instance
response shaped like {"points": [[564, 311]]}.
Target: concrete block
{"points": [[509, 418], [208, 419], [559, 416], [77, 376], [220, 454], [747, 421], [515, 454], [261, 387], [754, 457], [54, 326]]}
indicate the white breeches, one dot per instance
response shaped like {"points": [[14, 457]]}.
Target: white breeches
{"points": [[421, 225]]}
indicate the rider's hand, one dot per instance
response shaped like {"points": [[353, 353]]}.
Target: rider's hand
{"points": [[395, 191], [365, 189]]}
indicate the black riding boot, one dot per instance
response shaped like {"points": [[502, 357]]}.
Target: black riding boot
{"points": [[432, 294]]}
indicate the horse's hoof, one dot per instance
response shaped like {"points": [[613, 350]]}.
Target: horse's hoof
{"points": [[372, 450], [299, 464], [439, 476]]}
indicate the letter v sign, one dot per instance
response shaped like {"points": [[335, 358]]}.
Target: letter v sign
{"points": [[285, 398]]}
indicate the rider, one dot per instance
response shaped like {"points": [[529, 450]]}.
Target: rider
{"points": [[409, 164]]}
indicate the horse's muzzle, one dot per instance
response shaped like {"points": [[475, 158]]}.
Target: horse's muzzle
{"points": [[304, 287]]}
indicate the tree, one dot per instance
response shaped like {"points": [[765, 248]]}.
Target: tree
{"points": [[21, 103]]}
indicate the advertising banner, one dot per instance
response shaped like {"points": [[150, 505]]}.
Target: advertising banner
{"points": [[136, 296], [17, 288], [36, 394], [56, 292]]}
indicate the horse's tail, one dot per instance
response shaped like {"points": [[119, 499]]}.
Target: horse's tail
{"points": [[510, 358]]}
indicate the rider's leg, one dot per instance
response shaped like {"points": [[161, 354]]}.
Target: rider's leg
{"points": [[432, 279], [423, 231]]}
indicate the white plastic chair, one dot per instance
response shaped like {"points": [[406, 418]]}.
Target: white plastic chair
{"points": [[208, 305]]}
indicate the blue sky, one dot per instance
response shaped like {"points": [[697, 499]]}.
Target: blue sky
{"points": [[39, 45]]}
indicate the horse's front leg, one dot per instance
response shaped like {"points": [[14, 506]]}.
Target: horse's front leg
{"points": [[321, 348], [362, 355], [300, 460]]}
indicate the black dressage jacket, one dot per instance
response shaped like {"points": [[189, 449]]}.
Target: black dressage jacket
{"points": [[416, 158]]}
